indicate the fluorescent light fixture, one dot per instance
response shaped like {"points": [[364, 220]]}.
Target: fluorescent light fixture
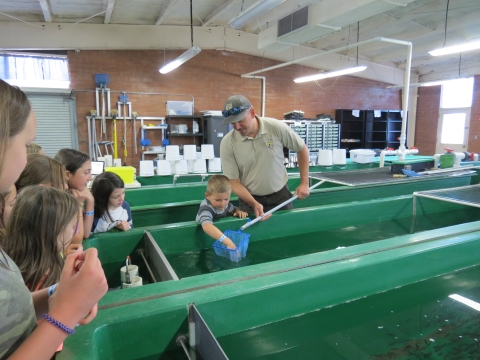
{"points": [[330, 74], [456, 49], [428, 83], [254, 11], [473, 304], [187, 55]]}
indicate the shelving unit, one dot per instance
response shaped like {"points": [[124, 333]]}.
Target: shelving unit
{"points": [[352, 135], [317, 135], [179, 138], [142, 137], [372, 129]]}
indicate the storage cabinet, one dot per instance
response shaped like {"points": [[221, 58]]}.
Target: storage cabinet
{"points": [[352, 134], [371, 129], [180, 129], [317, 135]]}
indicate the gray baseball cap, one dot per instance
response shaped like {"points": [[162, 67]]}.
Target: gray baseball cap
{"points": [[235, 108]]}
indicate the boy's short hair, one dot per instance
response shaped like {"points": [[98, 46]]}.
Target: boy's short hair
{"points": [[218, 184]]}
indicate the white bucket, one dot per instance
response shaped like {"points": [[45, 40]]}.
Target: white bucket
{"points": [[135, 281], [190, 165], [339, 156], [132, 271], [108, 160], [163, 168], [117, 162], [200, 166], [207, 151], [325, 158], [214, 165], [189, 152], [173, 152], [146, 168], [181, 167]]}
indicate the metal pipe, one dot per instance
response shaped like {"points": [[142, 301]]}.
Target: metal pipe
{"points": [[264, 83], [250, 223], [140, 251], [181, 342]]}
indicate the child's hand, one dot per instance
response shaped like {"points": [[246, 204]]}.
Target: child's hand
{"points": [[124, 225], [72, 248], [240, 214], [229, 243], [83, 195]]}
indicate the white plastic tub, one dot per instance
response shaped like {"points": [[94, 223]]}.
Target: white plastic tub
{"points": [[362, 156]]}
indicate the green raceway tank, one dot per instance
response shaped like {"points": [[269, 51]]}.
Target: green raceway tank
{"points": [[393, 298], [172, 204]]}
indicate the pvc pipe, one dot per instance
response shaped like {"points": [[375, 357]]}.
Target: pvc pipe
{"points": [[377, 39], [250, 223], [264, 84], [406, 94], [394, 152], [386, 153]]}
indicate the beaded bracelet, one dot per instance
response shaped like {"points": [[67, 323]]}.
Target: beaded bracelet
{"points": [[51, 289], [58, 324], [89, 213]]}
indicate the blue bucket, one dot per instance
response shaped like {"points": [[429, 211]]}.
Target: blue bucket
{"points": [[240, 239]]}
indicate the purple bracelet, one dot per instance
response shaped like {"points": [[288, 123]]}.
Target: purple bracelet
{"points": [[58, 324]]}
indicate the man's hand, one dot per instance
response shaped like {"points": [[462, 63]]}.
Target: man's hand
{"points": [[302, 191], [258, 209]]}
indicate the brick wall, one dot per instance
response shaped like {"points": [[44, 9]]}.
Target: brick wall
{"points": [[428, 115], [474, 144], [211, 77]]}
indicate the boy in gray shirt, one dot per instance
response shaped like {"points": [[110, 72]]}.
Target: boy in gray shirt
{"points": [[217, 205]]}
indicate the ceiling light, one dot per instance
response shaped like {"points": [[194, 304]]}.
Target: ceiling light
{"points": [[187, 55], [330, 74], [254, 11], [456, 49]]}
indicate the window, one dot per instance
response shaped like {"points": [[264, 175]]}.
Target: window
{"points": [[31, 70], [457, 93], [453, 131]]}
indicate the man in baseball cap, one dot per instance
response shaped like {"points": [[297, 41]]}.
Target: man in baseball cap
{"points": [[252, 158], [234, 109]]}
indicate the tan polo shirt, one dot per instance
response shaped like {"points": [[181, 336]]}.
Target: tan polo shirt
{"points": [[258, 162]]}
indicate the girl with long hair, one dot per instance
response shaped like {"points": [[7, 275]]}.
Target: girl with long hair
{"points": [[78, 172], [42, 170], [41, 226], [82, 282], [111, 209]]}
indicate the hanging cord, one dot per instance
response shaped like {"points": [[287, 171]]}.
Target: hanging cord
{"points": [[459, 64], [446, 21], [331, 86], [191, 20]]}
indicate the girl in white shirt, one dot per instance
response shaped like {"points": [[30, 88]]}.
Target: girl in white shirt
{"points": [[111, 209]]}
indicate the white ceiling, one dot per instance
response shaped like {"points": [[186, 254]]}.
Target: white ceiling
{"points": [[421, 21]]}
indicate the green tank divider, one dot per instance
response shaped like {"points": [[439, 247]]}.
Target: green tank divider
{"points": [[167, 194], [147, 326], [287, 234], [166, 213]]}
